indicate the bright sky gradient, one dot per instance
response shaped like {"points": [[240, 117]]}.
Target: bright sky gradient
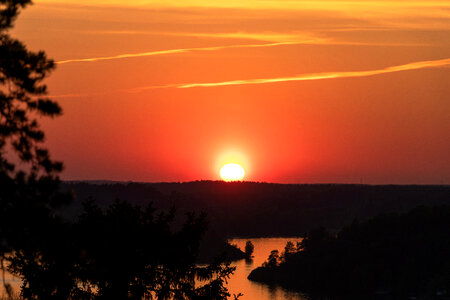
{"points": [[294, 91]]}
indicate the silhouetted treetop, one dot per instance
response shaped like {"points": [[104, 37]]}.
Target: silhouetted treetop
{"points": [[249, 248], [29, 193], [23, 98], [9, 9]]}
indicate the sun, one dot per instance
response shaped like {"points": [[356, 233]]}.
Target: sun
{"points": [[232, 172]]}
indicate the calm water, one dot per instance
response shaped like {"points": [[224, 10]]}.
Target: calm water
{"points": [[239, 282], [13, 281], [252, 290]]}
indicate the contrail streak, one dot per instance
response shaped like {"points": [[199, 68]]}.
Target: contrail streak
{"points": [[306, 41], [326, 75], [184, 50], [303, 77]]}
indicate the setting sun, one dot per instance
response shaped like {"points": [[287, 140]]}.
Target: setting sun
{"points": [[232, 172]]}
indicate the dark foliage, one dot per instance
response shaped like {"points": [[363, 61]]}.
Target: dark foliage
{"points": [[252, 209], [29, 194], [249, 248], [398, 255], [125, 252], [213, 246], [273, 260], [129, 251]]}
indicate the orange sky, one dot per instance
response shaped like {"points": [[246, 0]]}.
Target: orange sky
{"points": [[295, 91]]}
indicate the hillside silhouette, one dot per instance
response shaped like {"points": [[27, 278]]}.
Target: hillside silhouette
{"points": [[266, 209]]}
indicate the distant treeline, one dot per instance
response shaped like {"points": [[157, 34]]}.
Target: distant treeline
{"points": [[265, 209], [397, 256]]}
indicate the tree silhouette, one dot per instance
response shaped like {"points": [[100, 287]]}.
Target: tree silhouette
{"points": [[273, 259], [132, 252], [124, 252], [28, 194], [249, 248], [22, 99], [289, 250]]}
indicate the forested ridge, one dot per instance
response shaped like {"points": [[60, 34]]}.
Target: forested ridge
{"points": [[267, 209]]}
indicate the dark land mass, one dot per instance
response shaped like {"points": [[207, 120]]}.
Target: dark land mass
{"points": [[252, 209], [214, 247], [265, 209], [392, 256]]}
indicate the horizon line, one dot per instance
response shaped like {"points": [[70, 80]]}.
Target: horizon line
{"points": [[106, 181]]}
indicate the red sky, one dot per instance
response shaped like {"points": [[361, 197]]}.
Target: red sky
{"points": [[295, 91]]}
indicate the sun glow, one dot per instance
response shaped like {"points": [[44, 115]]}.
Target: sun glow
{"points": [[232, 172]]}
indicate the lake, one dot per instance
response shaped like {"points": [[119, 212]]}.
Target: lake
{"points": [[239, 283]]}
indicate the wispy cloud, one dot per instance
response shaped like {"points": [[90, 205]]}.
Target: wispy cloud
{"points": [[302, 77], [256, 36], [260, 4], [311, 76], [83, 95], [185, 50], [286, 40]]}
